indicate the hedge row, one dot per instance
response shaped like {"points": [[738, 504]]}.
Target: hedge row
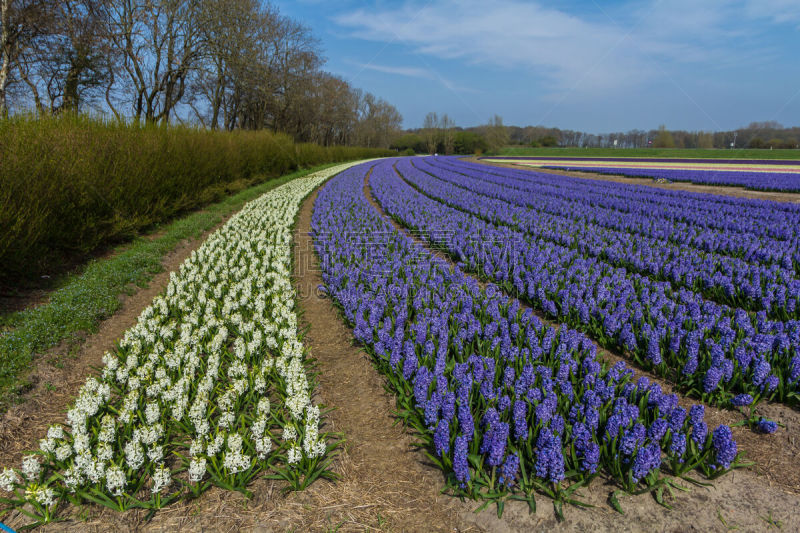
{"points": [[70, 185]]}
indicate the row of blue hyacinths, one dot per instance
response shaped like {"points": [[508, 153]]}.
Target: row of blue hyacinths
{"points": [[740, 254], [724, 355], [506, 405]]}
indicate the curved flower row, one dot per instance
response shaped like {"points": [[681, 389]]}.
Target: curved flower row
{"points": [[724, 279], [209, 387], [755, 230], [505, 403], [744, 215], [714, 350], [760, 181]]}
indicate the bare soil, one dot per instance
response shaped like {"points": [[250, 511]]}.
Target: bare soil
{"points": [[737, 192]]}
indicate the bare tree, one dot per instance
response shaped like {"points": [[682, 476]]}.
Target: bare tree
{"points": [[430, 129], [378, 122], [447, 126], [21, 23], [229, 33], [496, 134], [159, 41], [68, 61]]}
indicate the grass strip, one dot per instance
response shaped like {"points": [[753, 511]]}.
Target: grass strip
{"points": [[88, 297]]}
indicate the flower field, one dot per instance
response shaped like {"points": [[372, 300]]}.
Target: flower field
{"points": [[762, 175], [508, 405], [209, 388], [482, 295], [705, 319]]}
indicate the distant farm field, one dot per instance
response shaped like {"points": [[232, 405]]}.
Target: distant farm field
{"points": [[698, 153], [754, 174]]}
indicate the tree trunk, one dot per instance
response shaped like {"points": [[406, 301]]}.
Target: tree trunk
{"points": [[5, 48]]}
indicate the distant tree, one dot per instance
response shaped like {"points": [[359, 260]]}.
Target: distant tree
{"points": [[547, 141], [756, 142], [410, 141], [663, 138], [430, 129], [447, 127], [496, 134], [766, 125], [469, 142], [378, 122], [781, 143], [705, 140]]}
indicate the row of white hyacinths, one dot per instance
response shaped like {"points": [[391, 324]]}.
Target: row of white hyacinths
{"points": [[208, 388]]}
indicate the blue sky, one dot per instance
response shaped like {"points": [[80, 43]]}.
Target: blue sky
{"points": [[597, 66]]}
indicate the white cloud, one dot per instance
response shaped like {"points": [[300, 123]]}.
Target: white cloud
{"points": [[509, 34], [596, 51]]}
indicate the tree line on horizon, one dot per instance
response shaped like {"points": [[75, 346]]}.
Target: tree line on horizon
{"points": [[220, 64], [439, 134]]}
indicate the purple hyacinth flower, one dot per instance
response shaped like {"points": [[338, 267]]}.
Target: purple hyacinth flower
{"points": [[647, 460], [509, 470], [677, 446], [767, 426], [724, 446], [741, 400], [460, 463]]}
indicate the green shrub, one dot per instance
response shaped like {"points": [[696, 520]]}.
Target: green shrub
{"points": [[70, 184]]}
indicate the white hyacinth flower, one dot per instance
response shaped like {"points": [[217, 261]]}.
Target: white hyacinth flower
{"points": [[151, 413], [289, 433], [63, 452], [263, 447], [155, 453], [31, 467], [197, 469], [8, 479], [161, 479], [295, 454], [134, 454], [115, 480], [55, 432]]}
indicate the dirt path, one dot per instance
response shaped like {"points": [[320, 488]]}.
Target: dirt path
{"points": [[737, 192], [744, 498]]}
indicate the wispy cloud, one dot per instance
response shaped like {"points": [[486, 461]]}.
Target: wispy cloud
{"points": [[416, 72], [411, 72], [593, 51], [779, 11]]}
